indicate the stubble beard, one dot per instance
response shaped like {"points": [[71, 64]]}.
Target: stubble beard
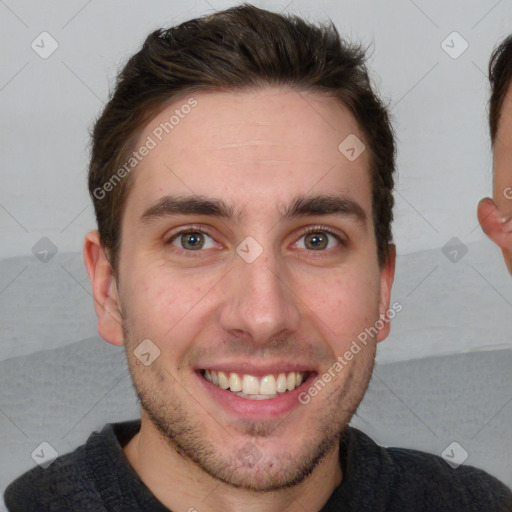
{"points": [[163, 399]]}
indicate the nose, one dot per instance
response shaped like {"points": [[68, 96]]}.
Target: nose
{"points": [[260, 303]]}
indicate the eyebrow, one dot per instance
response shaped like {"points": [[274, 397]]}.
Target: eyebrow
{"points": [[300, 206]]}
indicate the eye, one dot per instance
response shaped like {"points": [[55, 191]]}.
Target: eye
{"points": [[314, 238], [319, 239], [192, 240]]}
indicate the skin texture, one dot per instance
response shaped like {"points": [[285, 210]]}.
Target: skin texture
{"points": [[495, 215], [256, 151]]}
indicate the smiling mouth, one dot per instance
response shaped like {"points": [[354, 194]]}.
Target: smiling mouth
{"points": [[256, 388]]}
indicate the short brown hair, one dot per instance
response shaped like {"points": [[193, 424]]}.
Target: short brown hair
{"points": [[239, 48], [500, 77]]}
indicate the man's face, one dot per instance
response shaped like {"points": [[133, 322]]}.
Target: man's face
{"points": [[502, 189], [496, 216], [196, 285]]}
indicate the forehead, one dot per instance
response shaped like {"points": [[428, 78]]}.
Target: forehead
{"points": [[270, 143]]}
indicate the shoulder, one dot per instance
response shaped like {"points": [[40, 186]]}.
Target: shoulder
{"points": [[465, 486], [429, 482], [67, 481], [82, 480]]}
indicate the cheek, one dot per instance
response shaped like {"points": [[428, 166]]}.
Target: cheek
{"points": [[345, 305], [157, 307]]}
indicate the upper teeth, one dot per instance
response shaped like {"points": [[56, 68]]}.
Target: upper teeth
{"points": [[251, 385]]}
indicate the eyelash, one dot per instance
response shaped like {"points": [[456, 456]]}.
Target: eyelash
{"points": [[206, 231]]}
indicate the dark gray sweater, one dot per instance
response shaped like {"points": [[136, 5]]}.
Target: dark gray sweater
{"points": [[98, 477]]}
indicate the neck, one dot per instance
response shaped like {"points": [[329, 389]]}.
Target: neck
{"points": [[179, 484]]}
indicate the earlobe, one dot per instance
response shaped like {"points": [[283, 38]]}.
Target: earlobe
{"points": [[387, 276], [104, 290]]}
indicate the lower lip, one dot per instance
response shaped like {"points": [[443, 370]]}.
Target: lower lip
{"points": [[256, 409]]}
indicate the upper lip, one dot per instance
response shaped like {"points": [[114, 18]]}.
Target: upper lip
{"points": [[261, 370]]}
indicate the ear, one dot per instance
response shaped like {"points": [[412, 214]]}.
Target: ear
{"points": [[104, 289], [387, 276], [494, 224], [497, 227]]}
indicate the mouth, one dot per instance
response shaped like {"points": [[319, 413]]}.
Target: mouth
{"points": [[251, 387], [249, 390]]}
